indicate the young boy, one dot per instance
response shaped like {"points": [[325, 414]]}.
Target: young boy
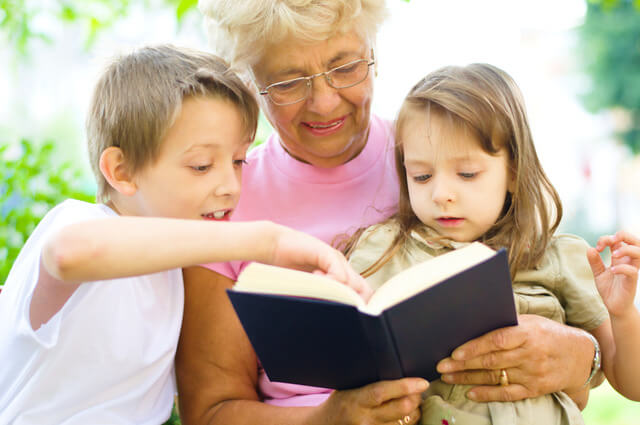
{"points": [[90, 314]]}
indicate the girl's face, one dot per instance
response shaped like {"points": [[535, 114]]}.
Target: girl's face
{"points": [[329, 127], [455, 187]]}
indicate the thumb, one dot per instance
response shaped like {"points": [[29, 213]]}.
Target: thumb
{"points": [[595, 261]]}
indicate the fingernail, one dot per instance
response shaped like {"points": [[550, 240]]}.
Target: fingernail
{"points": [[422, 385], [448, 378], [471, 395], [458, 355], [444, 366]]}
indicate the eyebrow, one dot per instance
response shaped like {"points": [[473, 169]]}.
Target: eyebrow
{"points": [[455, 159], [205, 145], [337, 57]]}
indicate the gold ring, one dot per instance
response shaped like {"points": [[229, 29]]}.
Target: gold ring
{"points": [[406, 419], [504, 379]]}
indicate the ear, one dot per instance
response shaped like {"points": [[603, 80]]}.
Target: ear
{"points": [[115, 170], [375, 65]]}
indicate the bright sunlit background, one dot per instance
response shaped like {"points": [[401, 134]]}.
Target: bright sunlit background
{"points": [[44, 95]]}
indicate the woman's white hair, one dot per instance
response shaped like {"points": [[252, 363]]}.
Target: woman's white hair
{"points": [[241, 30]]}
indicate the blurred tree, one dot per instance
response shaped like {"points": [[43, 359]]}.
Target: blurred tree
{"points": [[17, 17], [610, 50]]}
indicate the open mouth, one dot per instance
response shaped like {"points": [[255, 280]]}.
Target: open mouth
{"points": [[323, 128], [221, 215], [450, 221]]}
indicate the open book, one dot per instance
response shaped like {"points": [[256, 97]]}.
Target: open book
{"points": [[308, 329]]}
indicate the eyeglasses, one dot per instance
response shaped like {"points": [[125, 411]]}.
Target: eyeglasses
{"points": [[296, 90]]}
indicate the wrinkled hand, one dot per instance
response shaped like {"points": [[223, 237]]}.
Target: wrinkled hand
{"points": [[297, 250], [617, 283], [539, 356], [381, 403]]}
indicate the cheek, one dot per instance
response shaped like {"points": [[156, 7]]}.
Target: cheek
{"points": [[360, 97], [283, 116]]}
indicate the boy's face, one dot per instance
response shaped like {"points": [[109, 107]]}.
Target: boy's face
{"points": [[198, 170]]}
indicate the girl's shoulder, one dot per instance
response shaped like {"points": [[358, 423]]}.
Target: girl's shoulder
{"points": [[378, 236]]}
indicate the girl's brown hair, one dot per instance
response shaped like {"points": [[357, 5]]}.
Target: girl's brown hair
{"points": [[486, 101]]}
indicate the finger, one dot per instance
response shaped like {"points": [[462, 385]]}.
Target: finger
{"points": [[631, 251], [408, 419], [399, 408], [627, 237], [497, 393], [482, 377], [501, 339], [626, 270], [595, 261], [380, 392], [605, 241]]}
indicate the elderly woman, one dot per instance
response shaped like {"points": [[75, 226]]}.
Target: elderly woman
{"points": [[327, 170]]}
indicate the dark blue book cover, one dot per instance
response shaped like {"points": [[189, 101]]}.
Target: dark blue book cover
{"points": [[334, 345]]}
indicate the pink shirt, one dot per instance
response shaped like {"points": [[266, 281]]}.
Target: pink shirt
{"points": [[323, 202]]}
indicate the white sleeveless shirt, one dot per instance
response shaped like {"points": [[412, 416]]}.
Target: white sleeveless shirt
{"points": [[105, 358]]}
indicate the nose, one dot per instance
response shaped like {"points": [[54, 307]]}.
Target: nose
{"points": [[228, 181], [443, 191], [323, 98]]}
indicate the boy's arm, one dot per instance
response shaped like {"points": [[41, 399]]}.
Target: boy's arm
{"points": [[129, 246], [619, 337]]}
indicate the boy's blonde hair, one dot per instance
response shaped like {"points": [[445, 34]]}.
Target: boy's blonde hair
{"points": [[140, 94], [242, 30], [483, 100]]}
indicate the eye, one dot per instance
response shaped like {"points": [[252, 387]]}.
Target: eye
{"points": [[422, 178], [286, 86], [467, 176], [239, 162], [200, 168], [347, 69]]}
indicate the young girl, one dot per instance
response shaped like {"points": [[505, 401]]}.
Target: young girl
{"points": [[469, 171]]}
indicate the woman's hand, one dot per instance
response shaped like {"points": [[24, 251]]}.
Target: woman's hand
{"points": [[382, 403], [297, 250], [540, 356]]}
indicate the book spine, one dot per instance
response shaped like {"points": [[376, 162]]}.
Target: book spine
{"points": [[382, 347]]}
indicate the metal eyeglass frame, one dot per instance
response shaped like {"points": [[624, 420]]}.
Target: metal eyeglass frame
{"points": [[265, 91]]}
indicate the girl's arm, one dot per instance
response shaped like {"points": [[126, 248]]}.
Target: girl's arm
{"points": [[619, 337], [217, 372], [129, 246]]}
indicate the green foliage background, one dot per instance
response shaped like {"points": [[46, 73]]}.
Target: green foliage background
{"points": [[31, 183], [610, 52]]}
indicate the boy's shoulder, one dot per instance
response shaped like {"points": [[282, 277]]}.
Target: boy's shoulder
{"points": [[72, 210]]}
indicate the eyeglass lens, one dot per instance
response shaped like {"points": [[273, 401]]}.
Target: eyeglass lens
{"points": [[296, 90]]}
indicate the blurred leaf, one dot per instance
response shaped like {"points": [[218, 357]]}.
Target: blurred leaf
{"points": [[610, 53], [185, 6], [31, 183]]}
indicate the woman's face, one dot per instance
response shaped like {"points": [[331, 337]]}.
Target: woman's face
{"points": [[329, 127]]}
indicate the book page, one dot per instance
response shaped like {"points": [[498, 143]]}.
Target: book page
{"points": [[265, 279], [413, 280]]}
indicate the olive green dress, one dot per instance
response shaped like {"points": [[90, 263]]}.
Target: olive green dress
{"points": [[561, 288]]}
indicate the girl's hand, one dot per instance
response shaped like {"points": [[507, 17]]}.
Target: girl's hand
{"points": [[381, 403], [297, 250], [617, 283]]}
